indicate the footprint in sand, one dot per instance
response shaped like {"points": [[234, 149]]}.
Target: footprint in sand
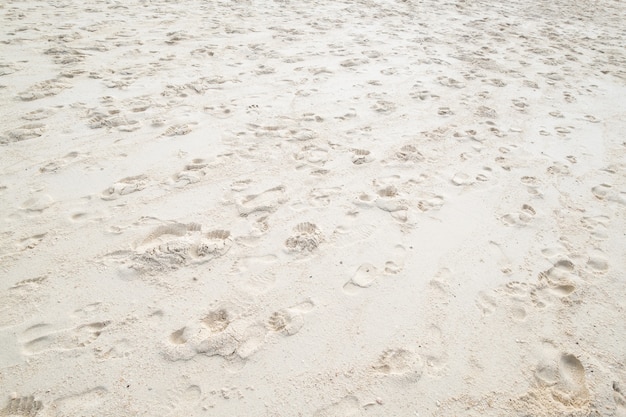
{"points": [[88, 402], [30, 242], [608, 193], [222, 332], [56, 164], [560, 279], [361, 156], [520, 298], [177, 130], [43, 89], [620, 397], [267, 201], [173, 246], [364, 277], [256, 272], [20, 302], [408, 153], [112, 119], [289, 321], [188, 342], [389, 200], [84, 211], [396, 264], [37, 204], [25, 132], [192, 173], [346, 407], [322, 197], [311, 155], [598, 261], [222, 111], [350, 235], [597, 226], [125, 186], [42, 338], [39, 114], [399, 363], [417, 93], [306, 238], [430, 202], [560, 382], [498, 254], [353, 62], [22, 407], [486, 112], [367, 273], [285, 322], [450, 82], [461, 178], [532, 185], [184, 402], [517, 299], [486, 303], [520, 218], [445, 111], [384, 107]]}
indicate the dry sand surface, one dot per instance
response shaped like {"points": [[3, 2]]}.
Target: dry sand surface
{"points": [[298, 208]]}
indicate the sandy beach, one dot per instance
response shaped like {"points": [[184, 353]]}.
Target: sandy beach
{"points": [[329, 209]]}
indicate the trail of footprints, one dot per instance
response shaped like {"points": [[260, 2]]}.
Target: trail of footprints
{"points": [[226, 333]]}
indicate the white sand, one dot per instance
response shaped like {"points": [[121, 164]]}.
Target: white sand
{"points": [[330, 208]]}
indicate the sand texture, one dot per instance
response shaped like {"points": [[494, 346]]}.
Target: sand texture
{"points": [[312, 208]]}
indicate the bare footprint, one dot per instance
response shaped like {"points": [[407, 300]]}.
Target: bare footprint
{"points": [[346, 407], [22, 407], [88, 402], [619, 397], [598, 261], [520, 218], [560, 382], [37, 204], [43, 89], [19, 303], [25, 132], [268, 201], [364, 277], [361, 156], [486, 303], [46, 340], [399, 362], [184, 403]]}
